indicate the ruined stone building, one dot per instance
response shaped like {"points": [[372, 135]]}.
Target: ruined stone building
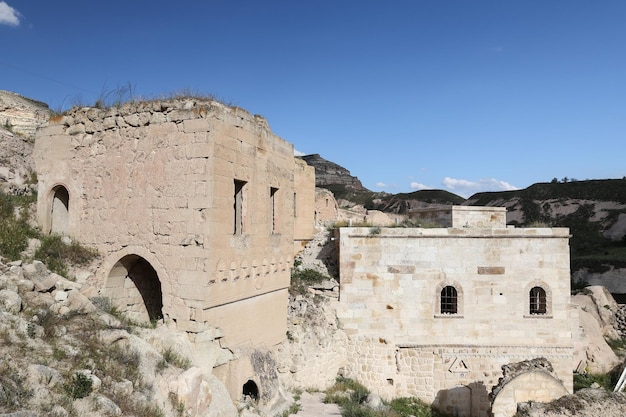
{"points": [[436, 312], [196, 209]]}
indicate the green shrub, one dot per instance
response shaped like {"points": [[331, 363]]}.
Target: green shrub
{"points": [[13, 393], [346, 391], [56, 254], [301, 279], [408, 406], [617, 344], [175, 359], [14, 230], [586, 380], [79, 386]]}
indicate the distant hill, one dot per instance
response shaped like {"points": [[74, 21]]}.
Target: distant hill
{"points": [[594, 211], [328, 173], [344, 186]]}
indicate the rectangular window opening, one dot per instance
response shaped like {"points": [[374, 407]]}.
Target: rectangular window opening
{"points": [[273, 192], [238, 207]]}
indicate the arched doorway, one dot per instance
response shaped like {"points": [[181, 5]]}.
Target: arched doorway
{"points": [[135, 289], [250, 390], [59, 210]]}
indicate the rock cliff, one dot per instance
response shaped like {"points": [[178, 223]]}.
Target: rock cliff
{"points": [[16, 163], [19, 119], [329, 173], [22, 115]]}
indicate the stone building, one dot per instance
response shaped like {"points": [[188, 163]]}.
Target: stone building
{"points": [[196, 209], [435, 313]]}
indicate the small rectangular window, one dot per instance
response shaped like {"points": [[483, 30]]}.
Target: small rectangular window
{"points": [[273, 192], [238, 207]]}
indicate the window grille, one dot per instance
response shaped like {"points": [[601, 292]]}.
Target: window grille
{"points": [[449, 300], [538, 304]]}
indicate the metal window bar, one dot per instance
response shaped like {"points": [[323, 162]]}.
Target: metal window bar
{"points": [[538, 303], [449, 300]]}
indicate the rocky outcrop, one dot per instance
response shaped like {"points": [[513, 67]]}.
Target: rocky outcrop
{"points": [[64, 353], [597, 320], [329, 173], [22, 115], [16, 163], [613, 280], [585, 403], [315, 351]]}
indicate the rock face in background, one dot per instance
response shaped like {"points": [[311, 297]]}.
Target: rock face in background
{"points": [[16, 163], [21, 114], [19, 119], [328, 173]]}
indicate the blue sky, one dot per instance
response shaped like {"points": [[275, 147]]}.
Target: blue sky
{"points": [[461, 95]]}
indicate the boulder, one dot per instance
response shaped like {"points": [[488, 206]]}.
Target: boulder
{"points": [[10, 301]]}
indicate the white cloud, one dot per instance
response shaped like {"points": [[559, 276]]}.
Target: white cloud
{"points": [[381, 184], [8, 15], [467, 188], [297, 152], [419, 186]]}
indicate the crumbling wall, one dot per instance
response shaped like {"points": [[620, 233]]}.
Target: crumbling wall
{"points": [[198, 192], [531, 380]]}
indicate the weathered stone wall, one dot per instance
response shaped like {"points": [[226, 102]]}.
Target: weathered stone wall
{"points": [[401, 343], [188, 201], [304, 204], [461, 216], [326, 209]]}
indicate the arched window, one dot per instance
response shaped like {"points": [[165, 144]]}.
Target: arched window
{"points": [[449, 300], [538, 301], [59, 210]]}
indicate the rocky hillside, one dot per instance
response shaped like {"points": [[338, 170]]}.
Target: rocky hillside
{"points": [[16, 164], [19, 119], [65, 352], [22, 115], [329, 173], [594, 210]]}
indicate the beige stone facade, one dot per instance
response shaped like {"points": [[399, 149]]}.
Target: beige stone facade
{"points": [[435, 313], [194, 207], [326, 209]]}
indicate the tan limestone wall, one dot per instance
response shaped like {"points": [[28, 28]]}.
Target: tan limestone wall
{"points": [[400, 344], [160, 176], [157, 182], [304, 204], [326, 209]]}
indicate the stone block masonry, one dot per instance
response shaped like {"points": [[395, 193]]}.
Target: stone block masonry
{"points": [[191, 205], [435, 313]]}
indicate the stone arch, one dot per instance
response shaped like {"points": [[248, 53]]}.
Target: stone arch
{"points": [[133, 283], [529, 380], [251, 390], [59, 210], [535, 385]]}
